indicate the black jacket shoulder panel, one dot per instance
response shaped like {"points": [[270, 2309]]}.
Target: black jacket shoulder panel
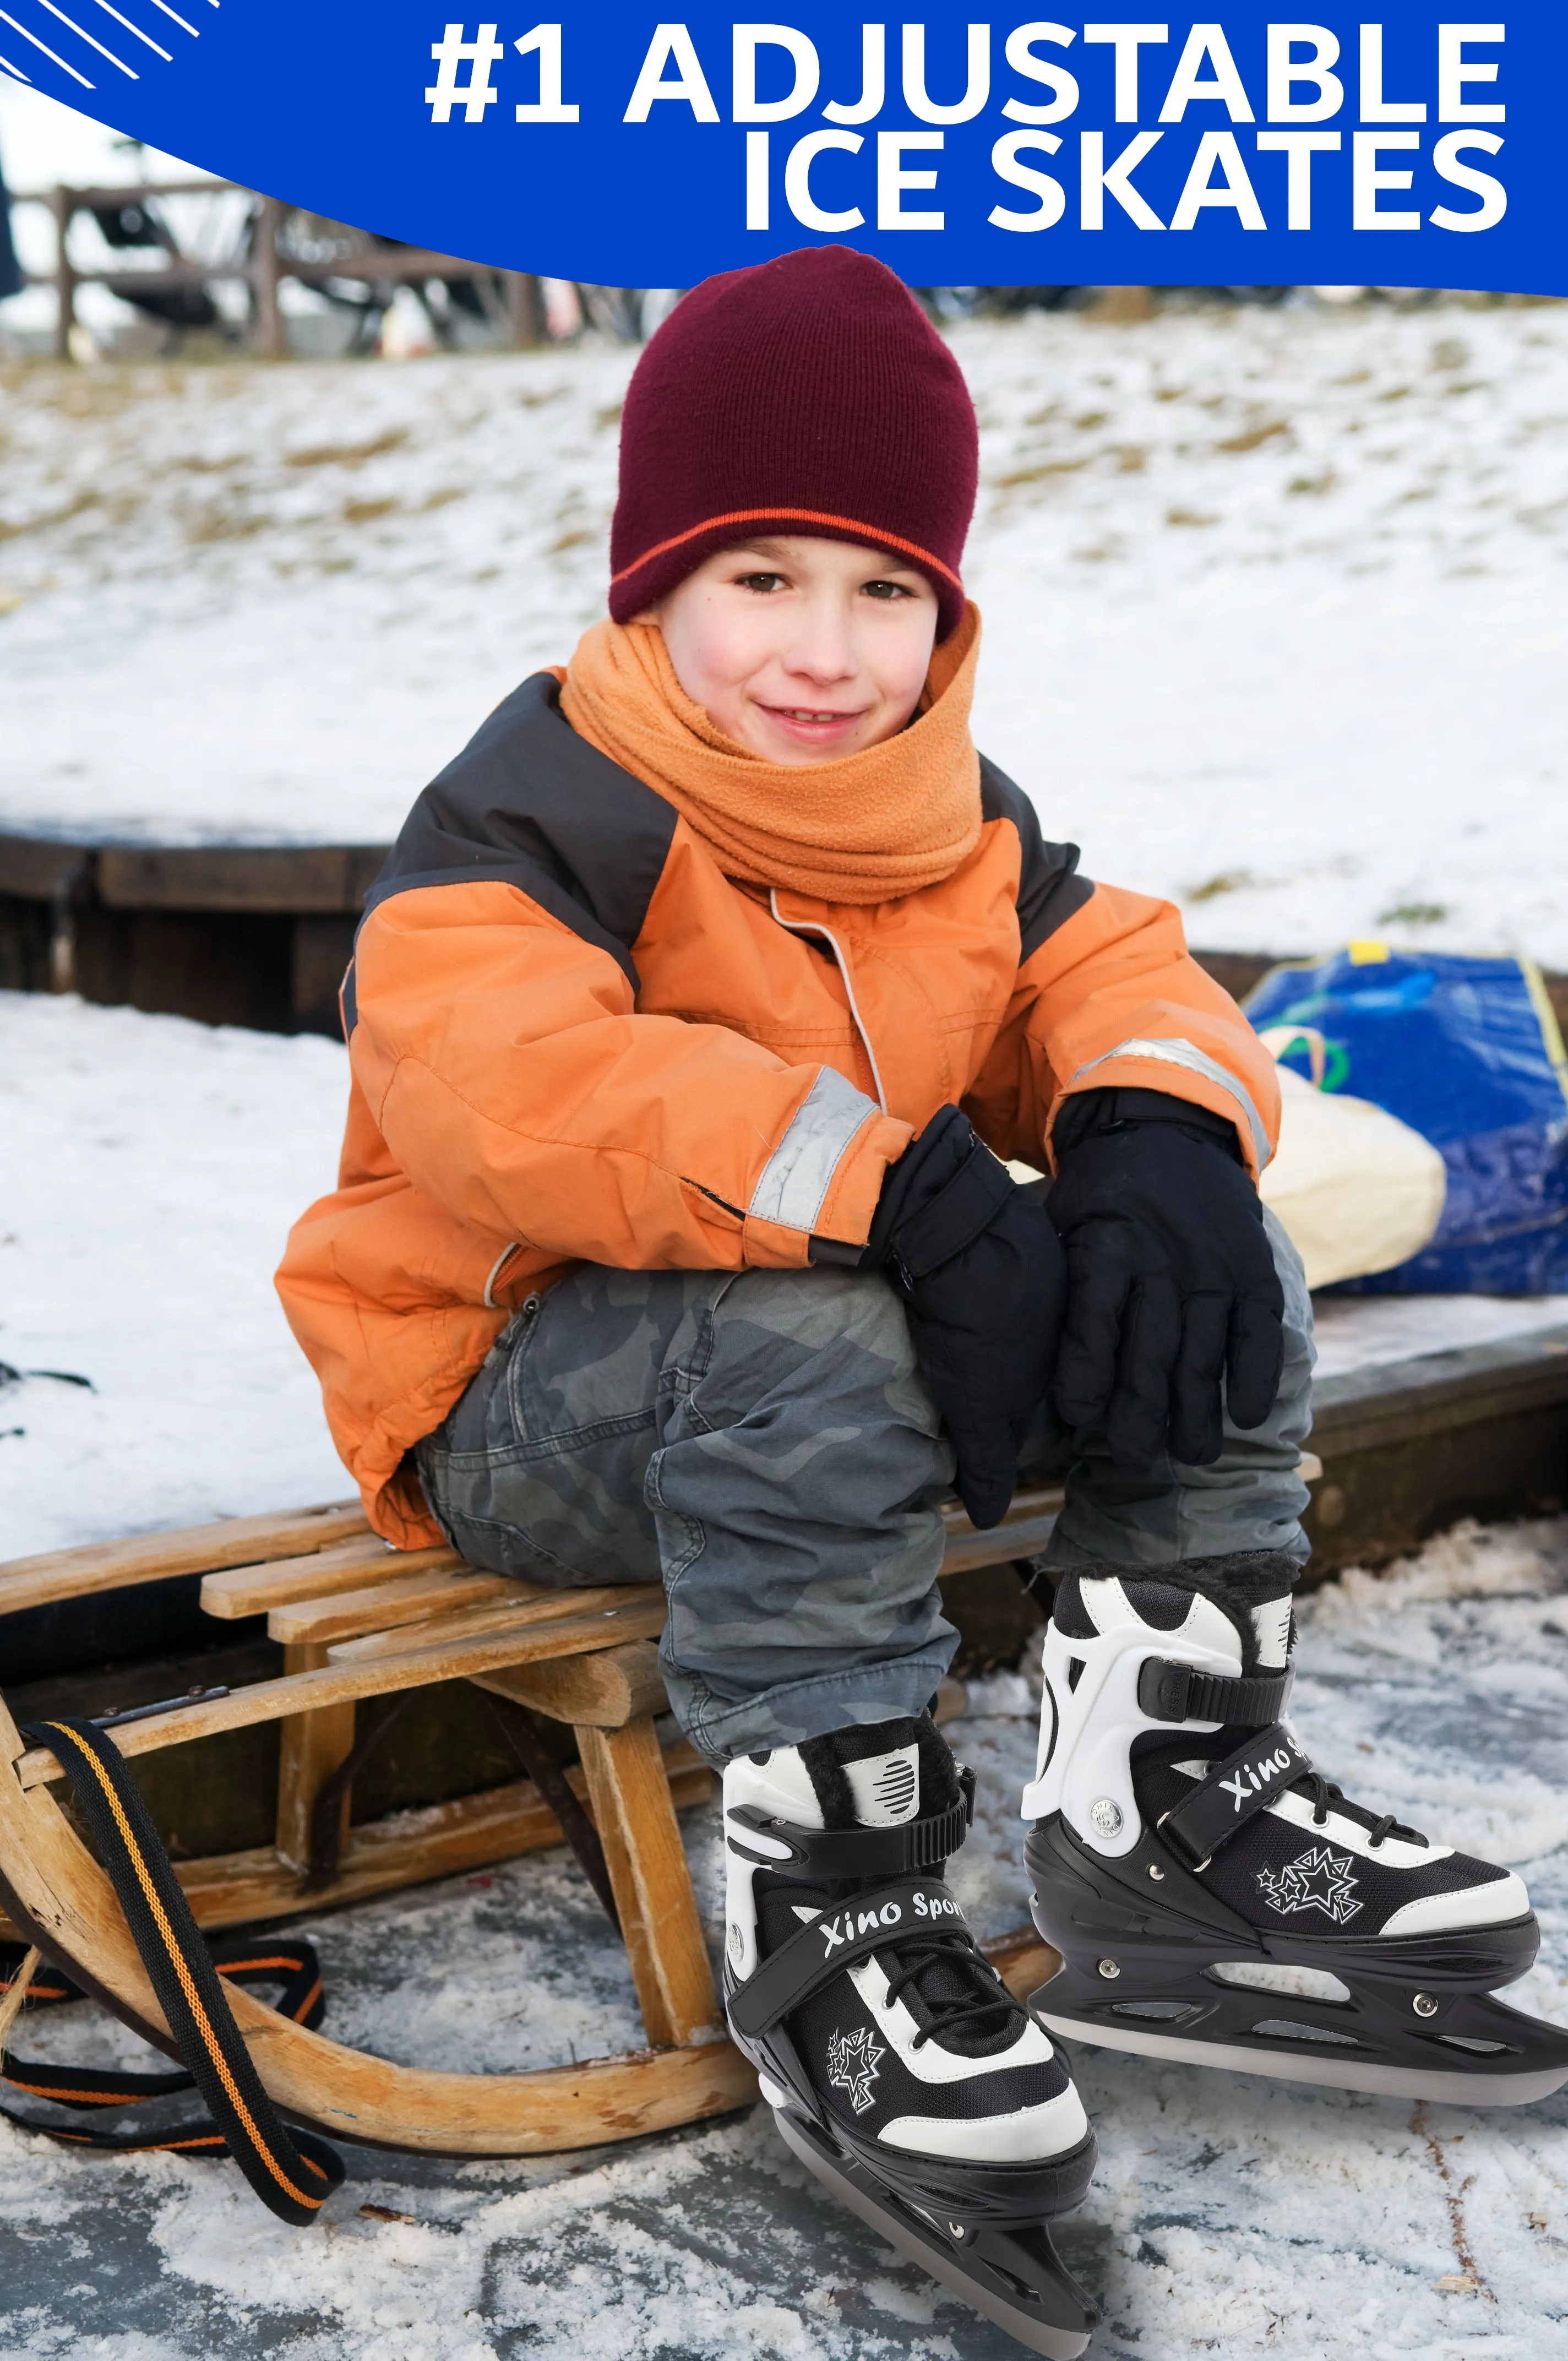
{"points": [[528, 803], [1049, 888]]}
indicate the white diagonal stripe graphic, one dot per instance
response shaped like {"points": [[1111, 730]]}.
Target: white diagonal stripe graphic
{"points": [[179, 19], [50, 54], [135, 29], [91, 44]]}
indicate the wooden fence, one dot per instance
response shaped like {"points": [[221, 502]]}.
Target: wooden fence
{"points": [[263, 259]]}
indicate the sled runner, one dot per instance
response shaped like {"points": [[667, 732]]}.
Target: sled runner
{"points": [[364, 1626]]}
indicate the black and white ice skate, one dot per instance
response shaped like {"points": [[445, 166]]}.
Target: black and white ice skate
{"points": [[1215, 1899], [901, 2070]]}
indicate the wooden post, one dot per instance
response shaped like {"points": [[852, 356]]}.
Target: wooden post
{"points": [[269, 337], [312, 1746], [629, 1793], [525, 310], [62, 205]]}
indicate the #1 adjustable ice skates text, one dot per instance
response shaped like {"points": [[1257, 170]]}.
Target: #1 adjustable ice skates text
{"points": [[1215, 1899], [901, 2070]]}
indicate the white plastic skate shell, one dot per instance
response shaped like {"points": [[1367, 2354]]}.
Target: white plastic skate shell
{"points": [[1090, 1719]]}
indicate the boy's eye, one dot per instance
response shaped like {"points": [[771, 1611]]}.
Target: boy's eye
{"points": [[764, 583], [885, 590]]}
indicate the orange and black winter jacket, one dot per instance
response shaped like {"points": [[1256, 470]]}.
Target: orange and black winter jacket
{"points": [[572, 1038]]}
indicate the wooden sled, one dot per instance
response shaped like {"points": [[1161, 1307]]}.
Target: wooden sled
{"points": [[356, 1621]]}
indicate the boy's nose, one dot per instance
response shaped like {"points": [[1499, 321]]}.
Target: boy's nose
{"points": [[821, 648]]}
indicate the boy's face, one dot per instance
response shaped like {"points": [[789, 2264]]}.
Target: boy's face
{"points": [[801, 649]]}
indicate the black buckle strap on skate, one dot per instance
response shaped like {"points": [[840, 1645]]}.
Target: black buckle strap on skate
{"points": [[1169, 1692], [273, 1959], [292, 2172], [836, 1940], [1243, 1784], [859, 1853]]}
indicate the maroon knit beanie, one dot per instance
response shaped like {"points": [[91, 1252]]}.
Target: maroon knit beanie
{"points": [[806, 394]]}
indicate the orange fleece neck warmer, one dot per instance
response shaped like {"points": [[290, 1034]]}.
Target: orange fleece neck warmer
{"points": [[865, 828]]}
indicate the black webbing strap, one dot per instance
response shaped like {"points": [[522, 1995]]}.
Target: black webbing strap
{"points": [[292, 2172], [834, 1941], [244, 1960], [859, 1853], [1169, 1692], [1234, 1790]]}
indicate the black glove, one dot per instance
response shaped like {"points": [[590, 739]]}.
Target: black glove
{"points": [[1171, 1284], [981, 1268]]}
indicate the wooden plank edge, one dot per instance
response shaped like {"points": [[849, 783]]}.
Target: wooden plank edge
{"points": [[254, 1588], [335, 1683], [154, 1557]]}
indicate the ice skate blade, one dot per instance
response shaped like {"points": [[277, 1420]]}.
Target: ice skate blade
{"points": [[1057, 2343], [1476, 2090]]}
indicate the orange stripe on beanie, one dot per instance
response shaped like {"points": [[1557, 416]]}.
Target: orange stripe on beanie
{"points": [[806, 393]]}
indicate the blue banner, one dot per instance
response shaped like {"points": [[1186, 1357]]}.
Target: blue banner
{"points": [[614, 147]]}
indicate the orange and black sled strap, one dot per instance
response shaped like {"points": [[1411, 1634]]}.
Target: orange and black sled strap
{"points": [[292, 2172], [290, 1964]]}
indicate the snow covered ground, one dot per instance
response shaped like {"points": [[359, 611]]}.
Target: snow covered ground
{"points": [[1274, 601], [1231, 2216]]}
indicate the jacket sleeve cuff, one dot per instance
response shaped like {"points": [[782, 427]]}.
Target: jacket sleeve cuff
{"points": [[1178, 1069], [825, 1176]]}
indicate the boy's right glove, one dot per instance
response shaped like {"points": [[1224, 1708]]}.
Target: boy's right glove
{"points": [[983, 1273]]}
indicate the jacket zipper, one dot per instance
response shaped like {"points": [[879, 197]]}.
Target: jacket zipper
{"points": [[812, 926]]}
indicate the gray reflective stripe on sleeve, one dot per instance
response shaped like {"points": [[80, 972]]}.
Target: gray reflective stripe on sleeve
{"points": [[796, 1177], [1197, 1061]]}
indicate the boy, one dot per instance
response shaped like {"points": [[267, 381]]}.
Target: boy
{"points": [[666, 1244]]}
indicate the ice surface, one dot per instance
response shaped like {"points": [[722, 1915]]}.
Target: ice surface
{"points": [[1230, 2216], [1274, 599]]}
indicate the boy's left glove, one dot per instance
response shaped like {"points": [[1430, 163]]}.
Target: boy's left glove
{"points": [[1171, 1284], [981, 1270]]}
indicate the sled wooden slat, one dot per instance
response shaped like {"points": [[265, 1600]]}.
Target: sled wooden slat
{"points": [[630, 1798], [603, 1691], [349, 1565], [1023, 1959], [311, 1746], [336, 1683], [384, 1605], [507, 1615], [153, 1557], [471, 1832], [1023, 1533]]}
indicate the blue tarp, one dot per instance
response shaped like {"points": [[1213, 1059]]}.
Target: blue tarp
{"points": [[1467, 1052]]}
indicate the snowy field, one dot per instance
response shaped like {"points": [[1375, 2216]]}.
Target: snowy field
{"points": [[1274, 601], [1231, 2216]]}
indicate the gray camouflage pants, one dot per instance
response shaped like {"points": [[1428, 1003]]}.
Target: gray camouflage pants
{"points": [[763, 1442]]}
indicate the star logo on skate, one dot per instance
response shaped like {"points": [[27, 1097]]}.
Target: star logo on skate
{"points": [[852, 2065], [1316, 1880]]}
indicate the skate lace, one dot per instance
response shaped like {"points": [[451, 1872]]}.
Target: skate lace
{"points": [[1326, 1797], [987, 1997]]}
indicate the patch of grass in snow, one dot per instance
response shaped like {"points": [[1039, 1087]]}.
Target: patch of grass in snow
{"points": [[217, 521], [347, 455], [1252, 438], [1414, 914], [1039, 472], [1229, 880]]}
